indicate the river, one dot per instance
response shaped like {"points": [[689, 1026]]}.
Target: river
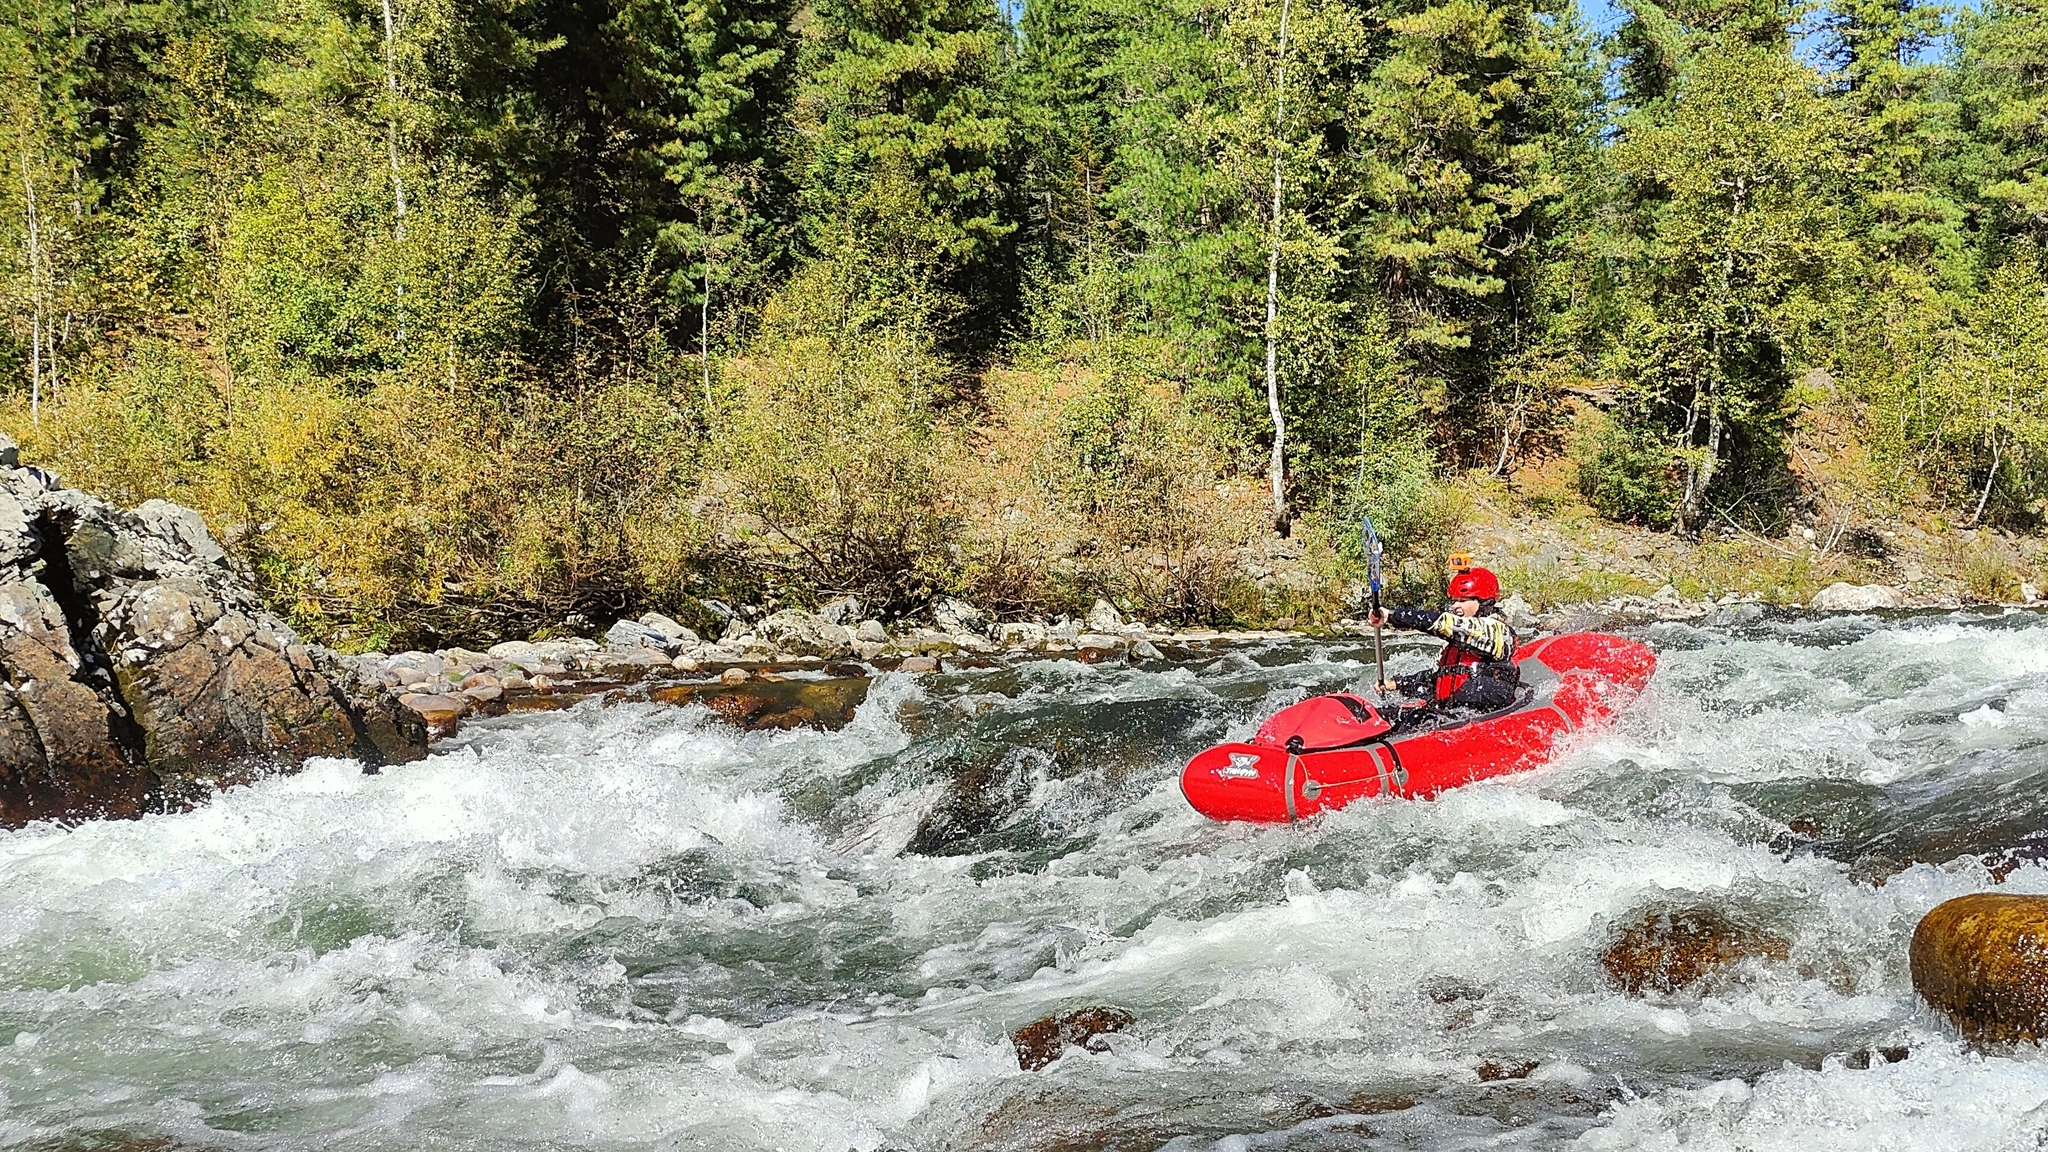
{"points": [[635, 928]]}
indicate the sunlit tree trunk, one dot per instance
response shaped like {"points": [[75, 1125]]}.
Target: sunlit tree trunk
{"points": [[1276, 469], [704, 332], [1700, 472], [391, 140]]}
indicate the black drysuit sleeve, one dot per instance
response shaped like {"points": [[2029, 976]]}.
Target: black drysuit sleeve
{"points": [[1487, 637]]}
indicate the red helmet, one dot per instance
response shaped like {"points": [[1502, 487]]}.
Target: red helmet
{"points": [[1474, 584]]}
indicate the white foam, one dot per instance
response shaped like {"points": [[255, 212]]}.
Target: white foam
{"points": [[451, 951]]}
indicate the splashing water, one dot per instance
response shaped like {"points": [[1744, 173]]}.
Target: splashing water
{"points": [[632, 927]]}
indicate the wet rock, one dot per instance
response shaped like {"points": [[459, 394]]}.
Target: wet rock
{"points": [[1494, 1070], [1665, 951], [137, 667], [1041, 1042], [983, 793], [1095, 647], [762, 704], [1842, 596], [918, 664], [1376, 1103], [1864, 1058], [441, 713], [70, 746], [1983, 961], [1044, 1115]]}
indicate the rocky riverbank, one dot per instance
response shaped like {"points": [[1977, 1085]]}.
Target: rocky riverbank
{"points": [[138, 670], [794, 667]]}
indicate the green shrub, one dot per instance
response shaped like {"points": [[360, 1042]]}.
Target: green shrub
{"points": [[827, 458], [1989, 577], [1630, 475], [1096, 472]]}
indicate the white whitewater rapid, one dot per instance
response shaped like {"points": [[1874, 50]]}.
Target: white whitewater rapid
{"points": [[635, 928]]}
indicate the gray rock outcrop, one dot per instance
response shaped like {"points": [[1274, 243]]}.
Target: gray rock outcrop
{"points": [[794, 630], [1842, 596], [953, 615], [138, 669]]}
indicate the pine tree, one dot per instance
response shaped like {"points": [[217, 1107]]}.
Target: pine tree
{"points": [[1740, 177], [902, 94], [1913, 222], [2005, 92], [1465, 114]]}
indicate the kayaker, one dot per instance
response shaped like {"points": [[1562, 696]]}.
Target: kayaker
{"points": [[1476, 673]]}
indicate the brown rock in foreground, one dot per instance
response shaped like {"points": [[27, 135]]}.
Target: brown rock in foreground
{"points": [[1508, 1069], [138, 669], [1668, 950], [1041, 1042], [1983, 960]]}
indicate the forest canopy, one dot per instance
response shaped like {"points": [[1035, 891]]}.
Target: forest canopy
{"points": [[462, 318]]}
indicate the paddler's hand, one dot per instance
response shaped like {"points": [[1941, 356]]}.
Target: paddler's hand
{"points": [[1390, 687], [1378, 617]]}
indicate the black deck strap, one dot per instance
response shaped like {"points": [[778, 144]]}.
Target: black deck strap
{"points": [[1293, 760], [1394, 754]]}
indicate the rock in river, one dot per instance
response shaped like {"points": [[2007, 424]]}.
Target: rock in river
{"points": [[1983, 960], [1664, 951], [137, 668], [800, 632], [1041, 1042], [777, 704]]}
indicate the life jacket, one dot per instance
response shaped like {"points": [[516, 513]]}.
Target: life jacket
{"points": [[1459, 664]]}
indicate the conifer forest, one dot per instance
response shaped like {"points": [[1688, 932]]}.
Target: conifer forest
{"points": [[463, 319]]}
